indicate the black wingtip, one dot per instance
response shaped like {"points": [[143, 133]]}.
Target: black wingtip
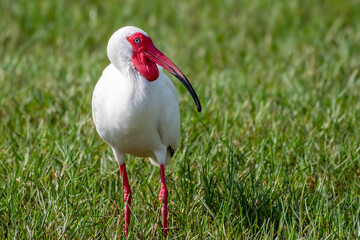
{"points": [[171, 150]]}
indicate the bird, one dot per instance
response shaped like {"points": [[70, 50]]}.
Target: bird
{"points": [[135, 107]]}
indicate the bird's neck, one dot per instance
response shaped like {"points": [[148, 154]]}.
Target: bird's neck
{"points": [[135, 83]]}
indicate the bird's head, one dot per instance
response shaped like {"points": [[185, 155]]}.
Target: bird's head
{"points": [[131, 45]]}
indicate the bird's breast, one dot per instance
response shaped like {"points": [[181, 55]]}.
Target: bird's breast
{"points": [[123, 108]]}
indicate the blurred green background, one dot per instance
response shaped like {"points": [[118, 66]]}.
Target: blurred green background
{"points": [[274, 154]]}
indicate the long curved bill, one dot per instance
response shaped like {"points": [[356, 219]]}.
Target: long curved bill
{"points": [[158, 57]]}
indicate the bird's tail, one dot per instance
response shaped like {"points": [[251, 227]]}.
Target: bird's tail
{"points": [[169, 155]]}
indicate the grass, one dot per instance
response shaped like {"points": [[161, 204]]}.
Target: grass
{"points": [[273, 155]]}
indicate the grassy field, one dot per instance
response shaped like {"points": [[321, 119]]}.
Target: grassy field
{"points": [[273, 155]]}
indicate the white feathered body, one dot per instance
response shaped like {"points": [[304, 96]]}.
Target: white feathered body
{"points": [[136, 116]]}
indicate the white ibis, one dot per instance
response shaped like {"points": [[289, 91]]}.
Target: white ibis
{"points": [[135, 107]]}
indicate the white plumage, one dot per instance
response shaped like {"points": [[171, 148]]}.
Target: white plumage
{"points": [[136, 116]]}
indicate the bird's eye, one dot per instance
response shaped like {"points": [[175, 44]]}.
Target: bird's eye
{"points": [[137, 40]]}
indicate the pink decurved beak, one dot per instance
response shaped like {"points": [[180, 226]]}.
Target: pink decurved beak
{"points": [[155, 55]]}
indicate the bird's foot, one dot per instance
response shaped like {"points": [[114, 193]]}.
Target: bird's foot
{"points": [[127, 196], [163, 198]]}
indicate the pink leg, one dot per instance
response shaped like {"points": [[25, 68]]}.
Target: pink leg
{"points": [[163, 196], [127, 196]]}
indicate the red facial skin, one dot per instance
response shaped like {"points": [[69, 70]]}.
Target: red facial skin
{"points": [[146, 56], [146, 67]]}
